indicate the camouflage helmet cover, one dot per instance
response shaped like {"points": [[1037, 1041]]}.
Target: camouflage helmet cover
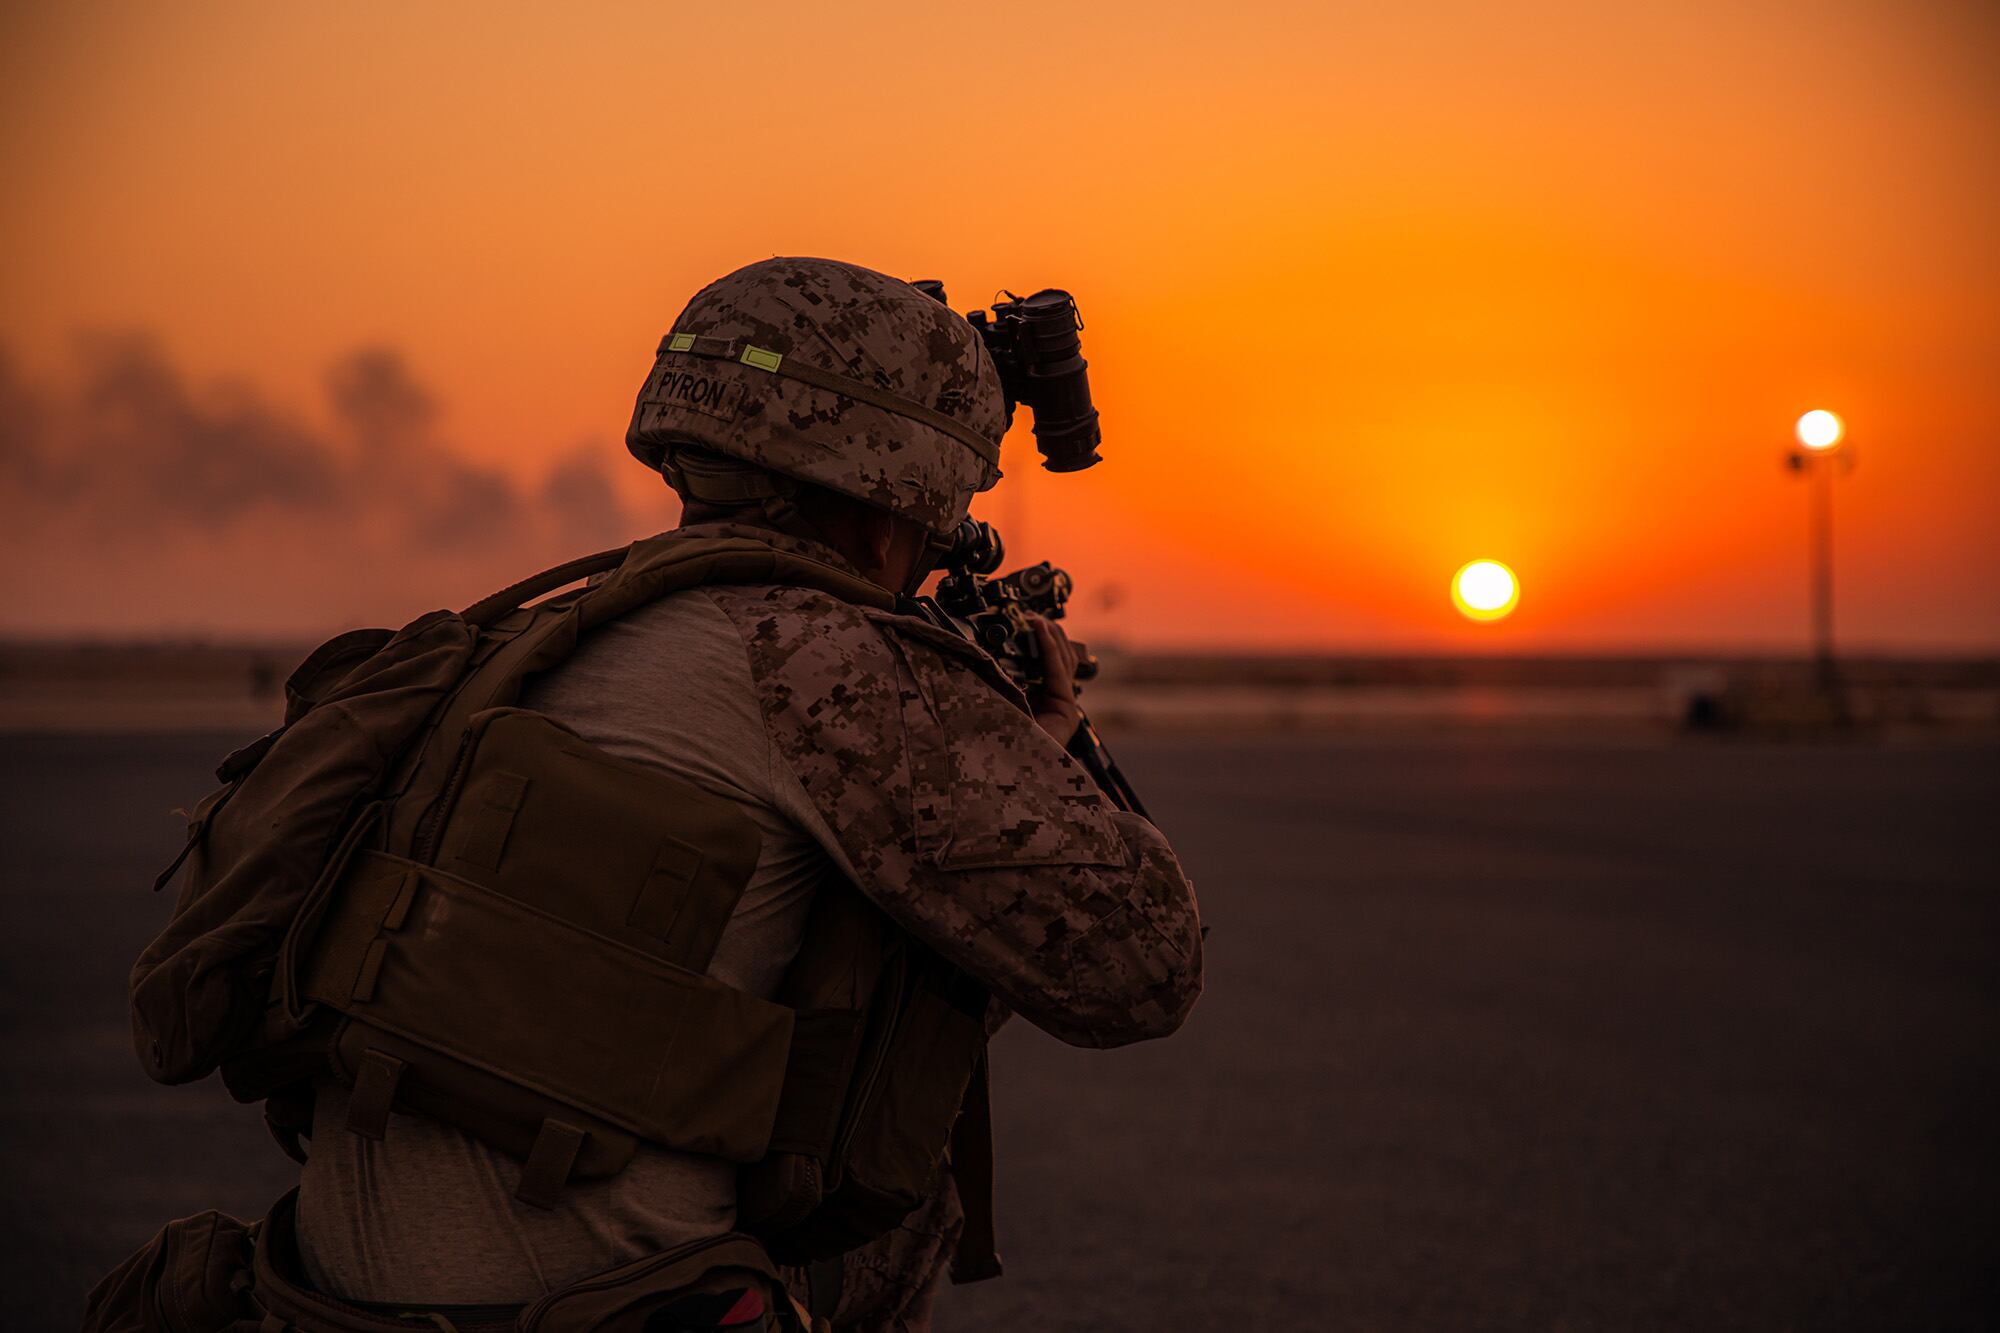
{"points": [[765, 365]]}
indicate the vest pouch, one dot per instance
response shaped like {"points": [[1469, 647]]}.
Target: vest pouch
{"points": [[924, 1035], [534, 972], [846, 947], [899, 1121]]}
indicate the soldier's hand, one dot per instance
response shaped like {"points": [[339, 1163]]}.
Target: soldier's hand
{"points": [[1056, 709]]}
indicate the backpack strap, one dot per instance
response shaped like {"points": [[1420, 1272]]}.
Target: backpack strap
{"points": [[643, 572], [648, 570], [484, 612]]}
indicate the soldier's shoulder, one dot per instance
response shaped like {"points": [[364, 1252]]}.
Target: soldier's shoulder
{"points": [[828, 681], [781, 622], [788, 629], [833, 699]]}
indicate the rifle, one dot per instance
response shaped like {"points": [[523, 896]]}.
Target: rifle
{"points": [[992, 610]]}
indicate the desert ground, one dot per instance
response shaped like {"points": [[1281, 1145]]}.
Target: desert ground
{"points": [[1503, 1030]]}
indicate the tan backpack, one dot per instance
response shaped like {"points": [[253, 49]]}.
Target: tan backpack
{"points": [[466, 910]]}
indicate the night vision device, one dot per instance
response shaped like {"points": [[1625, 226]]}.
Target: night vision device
{"points": [[1034, 344]]}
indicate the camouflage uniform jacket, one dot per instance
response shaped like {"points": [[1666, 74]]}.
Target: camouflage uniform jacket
{"points": [[964, 821]]}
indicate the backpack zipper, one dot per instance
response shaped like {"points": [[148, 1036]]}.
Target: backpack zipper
{"points": [[433, 822]]}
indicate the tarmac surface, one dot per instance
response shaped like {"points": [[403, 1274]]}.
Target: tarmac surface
{"points": [[1500, 1033]]}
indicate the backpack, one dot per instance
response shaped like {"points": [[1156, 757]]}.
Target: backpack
{"points": [[466, 910]]}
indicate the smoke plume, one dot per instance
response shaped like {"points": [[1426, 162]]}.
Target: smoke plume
{"points": [[139, 499]]}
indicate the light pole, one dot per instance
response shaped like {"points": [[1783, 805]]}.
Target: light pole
{"points": [[1821, 448]]}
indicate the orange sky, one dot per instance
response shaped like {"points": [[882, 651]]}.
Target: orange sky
{"points": [[1370, 291]]}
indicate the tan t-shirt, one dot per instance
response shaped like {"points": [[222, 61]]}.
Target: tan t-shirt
{"points": [[427, 1215]]}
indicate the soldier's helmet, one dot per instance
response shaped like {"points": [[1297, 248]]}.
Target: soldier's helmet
{"points": [[831, 374]]}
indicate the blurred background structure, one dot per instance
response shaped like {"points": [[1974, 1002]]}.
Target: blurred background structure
{"points": [[1593, 948], [1822, 451]]}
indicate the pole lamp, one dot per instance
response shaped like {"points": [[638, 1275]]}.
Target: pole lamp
{"points": [[1820, 449]]}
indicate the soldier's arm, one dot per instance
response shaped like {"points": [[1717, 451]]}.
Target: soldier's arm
{"points": [[1095, 954], [921, 771]]}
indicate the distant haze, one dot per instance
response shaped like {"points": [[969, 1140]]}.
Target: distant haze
{"points": [[312, 315]]}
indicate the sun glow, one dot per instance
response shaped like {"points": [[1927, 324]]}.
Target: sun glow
{"points": [[1485, 590]]}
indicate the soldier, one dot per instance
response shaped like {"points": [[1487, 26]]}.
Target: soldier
{"points": [[833, 419]]}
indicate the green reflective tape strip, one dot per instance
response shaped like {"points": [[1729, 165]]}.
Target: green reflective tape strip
{"points": [[761, 359], [680, 342]]}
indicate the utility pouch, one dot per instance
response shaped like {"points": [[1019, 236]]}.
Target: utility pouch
{"points": [[190, 1278], [861, 1163], [647, 1294], [928, 1039]]}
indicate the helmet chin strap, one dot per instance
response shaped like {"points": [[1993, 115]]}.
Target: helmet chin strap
{"points": [[935, 546]]}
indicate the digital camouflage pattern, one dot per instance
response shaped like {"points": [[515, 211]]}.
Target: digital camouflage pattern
{"points": [[965, 822], [850, 321]]}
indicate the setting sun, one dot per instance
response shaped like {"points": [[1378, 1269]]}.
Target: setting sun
{"points": [[1819, 429], [1485, 590]]}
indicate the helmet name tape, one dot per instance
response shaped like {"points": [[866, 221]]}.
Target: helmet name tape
{"points": [[710, 395], [776, 363]]}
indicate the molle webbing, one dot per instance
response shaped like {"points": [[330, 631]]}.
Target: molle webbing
{"points": [[663, 1053], [776, 363]]}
